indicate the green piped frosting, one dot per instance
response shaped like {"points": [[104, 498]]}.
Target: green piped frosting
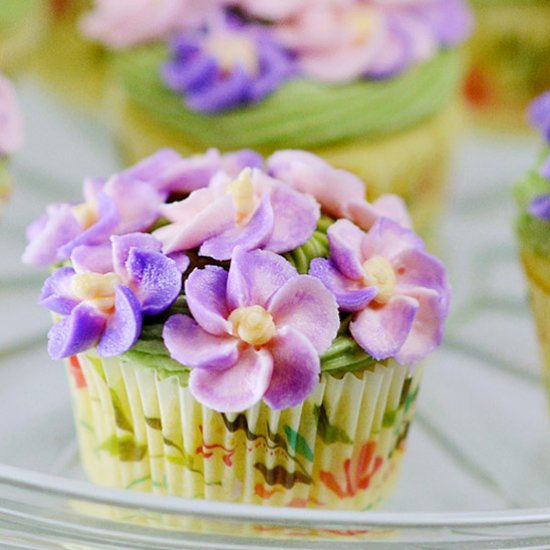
{"points": [[13, 12], [302, 113]]}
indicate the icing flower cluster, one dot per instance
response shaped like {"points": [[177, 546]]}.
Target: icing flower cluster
{"points": [[539, 115], [11, 125], [213, 229], [226, 53]]}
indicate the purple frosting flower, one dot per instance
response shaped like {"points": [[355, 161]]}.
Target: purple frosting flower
{"points": [[540, 207], [539, 114], [398, 293], [251, 211], [226, 65], [255, 332], [103, 297]]}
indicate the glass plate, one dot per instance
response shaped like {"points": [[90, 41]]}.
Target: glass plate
{"points": [[476, 471]]}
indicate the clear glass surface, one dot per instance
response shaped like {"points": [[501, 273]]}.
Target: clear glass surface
{"points": [[476, 470]]}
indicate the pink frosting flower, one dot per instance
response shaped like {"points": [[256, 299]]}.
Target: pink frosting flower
{"points": [[124, 23], [255, 332], [340, 193], [11, 125], [251, 211], [399, 294]]}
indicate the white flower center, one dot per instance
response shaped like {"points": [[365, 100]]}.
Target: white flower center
{"points": [[253, 325], [86, 214], [242, 191], [96, 288], [232, 49], [380, 273]]}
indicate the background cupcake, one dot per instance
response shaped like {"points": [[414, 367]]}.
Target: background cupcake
{"points": [[359, 82], [510, 59], [280, 368]]}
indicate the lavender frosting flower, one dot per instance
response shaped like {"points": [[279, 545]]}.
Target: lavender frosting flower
{"points": [[398, 293], [539, 207], [255, 332], [539, 114], [226, 65], [105, 293]]}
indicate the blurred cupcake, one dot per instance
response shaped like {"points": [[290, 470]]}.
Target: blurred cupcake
{"points": [[11, 134], [510, 60], [240, 331], [23, 23], [533, 198], [360, 82]]}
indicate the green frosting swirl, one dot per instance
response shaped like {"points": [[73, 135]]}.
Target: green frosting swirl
{"points": [[302, 113], [13, 12]]}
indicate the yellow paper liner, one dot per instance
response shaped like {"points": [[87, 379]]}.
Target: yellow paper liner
{"points": [[341, 448]]}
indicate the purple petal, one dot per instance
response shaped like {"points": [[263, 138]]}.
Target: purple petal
{"points": [[123, 326], [192, 346], [78, 332], [97, 259], [382, 330], [121, 246], [296, 369], [205, 290], [540, 207], [255, 276], [295, 218], [56, 293], [545, 168], [182, 261], [150, 168], [414, 268], [156, 280], [427, 329], [235, 163], [249, 237], [237, 388], [305, 305], [539, 114], [345, 241], [351, 295]]}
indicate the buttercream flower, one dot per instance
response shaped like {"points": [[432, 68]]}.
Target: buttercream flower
{"points": [[251, 211], [124, 23], [257, 332], [398, 293], [11, 125], [104, 296], [540, 207], [539, 114], [281, 9], [341, 194], [226, 65]]}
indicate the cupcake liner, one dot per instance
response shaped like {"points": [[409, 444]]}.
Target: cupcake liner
{"points": [[342, 448]]}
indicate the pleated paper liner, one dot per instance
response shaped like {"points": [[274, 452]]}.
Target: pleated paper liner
{"points": [[342, 448]]}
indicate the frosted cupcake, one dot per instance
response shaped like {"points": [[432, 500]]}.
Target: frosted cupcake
{"points": [[359, 82], [240, 331], [533, 198], [510, 59], [11, 135]]}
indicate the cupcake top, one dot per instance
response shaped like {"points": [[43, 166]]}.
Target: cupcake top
{"points": [[225, 54], [248, 278], [11, 126]]}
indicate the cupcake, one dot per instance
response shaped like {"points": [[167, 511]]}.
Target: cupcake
{"points": [[11, 134], [510, 60], [533, 228], [359, 82], [241, 330], [22, 25]]}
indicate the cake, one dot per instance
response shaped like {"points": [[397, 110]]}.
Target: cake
{"points": [[240, 329]]}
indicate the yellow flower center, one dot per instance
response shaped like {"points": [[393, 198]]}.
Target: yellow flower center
{"points": [[86, 214], [232, 49], [380, 273], [363, 23], [253, 325], [242, 191], [96, 288]]}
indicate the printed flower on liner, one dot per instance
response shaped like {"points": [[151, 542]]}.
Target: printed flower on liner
{"points": [[248, 271]]}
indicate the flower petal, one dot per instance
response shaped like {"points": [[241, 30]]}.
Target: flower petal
{"points": [[345, 240], [255, 276], [192, 346], [205, 290], [295, 218], [123, 326], [122, 244], [365, 214], [296, 369], [351, 295], [304, 304], [237, 388], [96, 259], [78, 332], [156, 280], [382, 330], [56, 293]]}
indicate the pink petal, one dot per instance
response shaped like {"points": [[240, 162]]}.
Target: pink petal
{"points": [[237, 388], [192, 346], [365, 214], [296, 369], [96, 259], [305, 305], [345, 240], [382, 330]]}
